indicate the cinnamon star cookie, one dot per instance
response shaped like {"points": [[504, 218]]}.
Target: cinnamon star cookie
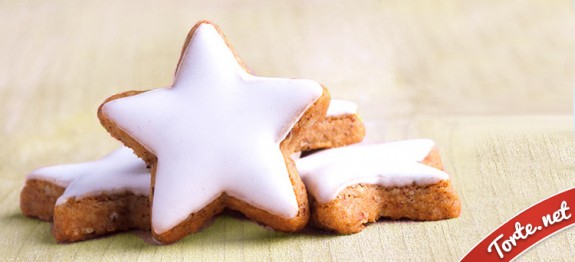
{"points": [[218, 138]]}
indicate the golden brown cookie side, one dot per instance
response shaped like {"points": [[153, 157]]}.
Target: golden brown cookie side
{"points": [[122, 136], [273, 221], [90, 217], [315, 113], [359, 204], [38, 197], [193, 223], [331, 132]]}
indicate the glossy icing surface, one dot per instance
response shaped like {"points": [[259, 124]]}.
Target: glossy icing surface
{"points": [[216, 130], [119, 171], [341, 107], [393, 164]]}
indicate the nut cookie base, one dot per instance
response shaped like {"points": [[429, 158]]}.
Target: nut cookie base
{"points": [[38, 198], [331, 132], [90, 217]]}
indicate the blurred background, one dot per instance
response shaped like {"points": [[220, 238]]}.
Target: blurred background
{"points": [[396, 59], [461, 72]]}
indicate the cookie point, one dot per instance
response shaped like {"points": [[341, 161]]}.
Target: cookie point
{"points": [[204, 21], [205, 24]]}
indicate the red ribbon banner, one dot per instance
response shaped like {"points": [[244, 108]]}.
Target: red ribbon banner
{"points": [[526, 229]]}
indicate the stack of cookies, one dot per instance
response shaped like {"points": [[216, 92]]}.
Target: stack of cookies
{"points": [[221, 138]]}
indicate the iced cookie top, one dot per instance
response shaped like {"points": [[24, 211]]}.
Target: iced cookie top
{"points": [[216, 130], [341, 107], [394, 164], [119, 171]]}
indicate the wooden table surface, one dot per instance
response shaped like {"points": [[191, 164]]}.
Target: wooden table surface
{"points": [[490, 81]]}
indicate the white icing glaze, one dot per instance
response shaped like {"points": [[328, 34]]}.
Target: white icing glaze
{"points": [[341, 107], [119, 171], [394, 164], [217, 130], [61, 175]]}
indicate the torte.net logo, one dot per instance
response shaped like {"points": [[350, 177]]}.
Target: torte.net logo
{"points": [[526, 229]]}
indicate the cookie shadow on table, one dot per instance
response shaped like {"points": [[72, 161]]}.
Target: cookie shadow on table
{"points": [[232, 228]]}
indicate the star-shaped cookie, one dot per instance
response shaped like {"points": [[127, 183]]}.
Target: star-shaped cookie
{"points": [[218, 138], [351, 186], [90, 199]]}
